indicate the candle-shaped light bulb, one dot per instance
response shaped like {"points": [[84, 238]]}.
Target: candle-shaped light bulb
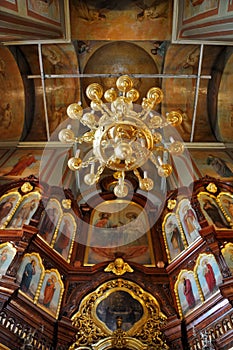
{"points": [[77, 153], [90, 178], [92, 168], [176, 147], [171, 139], [160, 160], [66, 135]]}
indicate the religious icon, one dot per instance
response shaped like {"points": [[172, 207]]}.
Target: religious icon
{"points": [[119, 304], [226, 202], [208, 273], [23, 162], [220, 166], [64, 240], [173, 235], [119, 227], [29, 274], [189, 221], [51, 292], [227, 253], [212, 211], [7, 204], [7, 254], [187, 292], [25, 211], [49, 220]]}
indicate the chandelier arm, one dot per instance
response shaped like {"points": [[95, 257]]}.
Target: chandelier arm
{"points": [[146, 114], [100, 169], [154, 160], [89, 124], [91, 160], [100, 106], [106, 109], [164, 124], [79, 140], [159, 148], [141, 114], [137, 174]]}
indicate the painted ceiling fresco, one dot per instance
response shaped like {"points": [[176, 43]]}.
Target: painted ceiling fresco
{"points": [[111, 38], [108, 20], [177, 62], [12, 104]]}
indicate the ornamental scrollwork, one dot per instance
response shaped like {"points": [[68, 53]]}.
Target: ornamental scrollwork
{"points": [[100, 306], [152, 335]]}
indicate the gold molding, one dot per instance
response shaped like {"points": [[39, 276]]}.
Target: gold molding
{"points": [[132, 343]]}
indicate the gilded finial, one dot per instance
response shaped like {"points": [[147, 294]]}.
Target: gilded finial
{"points": [[171, 203], [212, 187], [66, 203], [119, 340], [26, 187]]}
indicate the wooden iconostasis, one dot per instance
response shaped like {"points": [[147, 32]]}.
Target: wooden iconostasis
{"points": [[56, 254]]}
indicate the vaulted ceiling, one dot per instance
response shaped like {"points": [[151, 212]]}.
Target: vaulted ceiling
{"points": [[42, 71]]}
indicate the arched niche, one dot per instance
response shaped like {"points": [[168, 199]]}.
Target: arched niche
{"points": [[97, 319], [119, 58]]}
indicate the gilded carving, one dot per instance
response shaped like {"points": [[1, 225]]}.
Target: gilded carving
{"points": [[171, 203], [66, 203], [92, 329], [26, 187], [118, 267], [212, 188], [119, 336]]}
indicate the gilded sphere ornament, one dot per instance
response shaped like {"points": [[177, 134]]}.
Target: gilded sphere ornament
{"points": [[120, 191], [74, 163], [174, 118], [165, 170], [176, 148], [124, 83], [155, 94], [94, 91], [75, 111], [146, 184], [66, 136], [89, 179]]}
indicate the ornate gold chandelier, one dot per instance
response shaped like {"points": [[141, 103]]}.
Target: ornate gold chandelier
{"points": [[123, 136]]}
